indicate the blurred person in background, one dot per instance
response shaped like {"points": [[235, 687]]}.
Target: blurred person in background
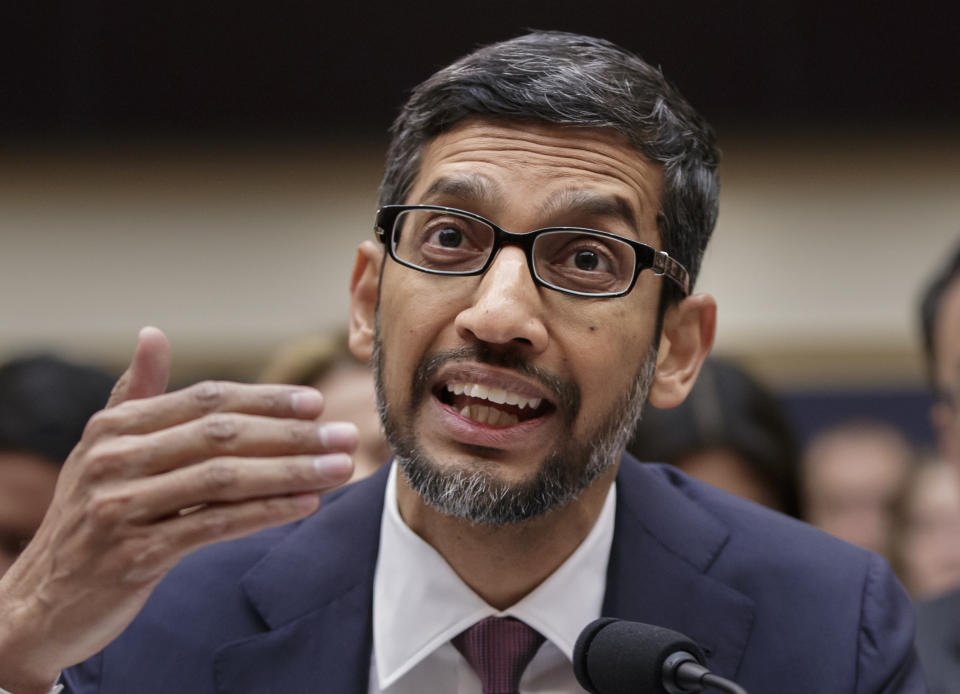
{"points": [[730, 432], [45, 403], [925, 536], [938, 620], [326, 363], [852, 474]]}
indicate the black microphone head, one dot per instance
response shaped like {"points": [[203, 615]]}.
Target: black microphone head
{"points": [[613, 656]]}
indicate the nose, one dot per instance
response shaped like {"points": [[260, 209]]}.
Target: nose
{"points": [[506, 309]]}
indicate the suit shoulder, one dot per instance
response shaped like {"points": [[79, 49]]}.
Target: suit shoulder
{"points": [[846, 615], [766, 535]]}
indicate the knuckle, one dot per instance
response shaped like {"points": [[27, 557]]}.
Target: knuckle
{"points": [[301, 434], [297, 474], [274, 402], [218, 475], [207, 395], [148, 558], [107, 460], [108, 508], [119, 389], [101, 424], [220, 429]]}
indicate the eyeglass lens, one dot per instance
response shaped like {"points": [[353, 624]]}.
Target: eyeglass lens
{"points": [[581, 261]]}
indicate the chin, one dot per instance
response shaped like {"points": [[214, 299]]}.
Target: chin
{"points": [[477, 490]]}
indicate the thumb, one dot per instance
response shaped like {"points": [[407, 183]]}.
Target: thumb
{"points": [[149, 370]]}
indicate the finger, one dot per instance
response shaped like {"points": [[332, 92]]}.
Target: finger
{"points": [[171, 409], [182, 534], [149, 369], [213, 436], [224, 480]]}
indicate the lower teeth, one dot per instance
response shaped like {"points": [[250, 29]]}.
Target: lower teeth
{"points": [[489, 416]]}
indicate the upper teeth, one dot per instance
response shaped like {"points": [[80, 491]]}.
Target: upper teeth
{"points": [[497, 395]]}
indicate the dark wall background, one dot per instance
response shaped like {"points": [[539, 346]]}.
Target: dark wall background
{"points": [[93, 68]]}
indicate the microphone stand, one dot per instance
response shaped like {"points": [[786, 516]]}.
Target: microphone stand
{"points": [[683, 674]]}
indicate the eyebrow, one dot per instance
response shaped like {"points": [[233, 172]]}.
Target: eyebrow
{"points": [[593, 204], [472, 188], [478, 190]]}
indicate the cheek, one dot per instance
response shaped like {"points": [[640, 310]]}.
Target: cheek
{"points": [[605, 355], [412, 320]]}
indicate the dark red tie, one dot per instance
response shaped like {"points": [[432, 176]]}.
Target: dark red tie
{"points": [[499, 649]]}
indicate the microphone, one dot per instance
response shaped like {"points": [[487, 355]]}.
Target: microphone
{"points": [[613, 656]]}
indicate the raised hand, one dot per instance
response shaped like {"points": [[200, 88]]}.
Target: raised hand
{"points": [[154, 477]]}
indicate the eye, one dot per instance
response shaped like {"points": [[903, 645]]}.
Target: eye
{"points": [[586, 255], [443, 241], [448, 237], [586, 260]]}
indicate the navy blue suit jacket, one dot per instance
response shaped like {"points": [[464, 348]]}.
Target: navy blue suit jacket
{"points": [[776, 605]]}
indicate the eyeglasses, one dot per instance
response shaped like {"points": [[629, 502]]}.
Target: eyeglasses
{"points": [[583, 262]]}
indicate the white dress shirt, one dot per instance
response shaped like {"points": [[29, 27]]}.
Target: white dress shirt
{"points": [[419, 604]]}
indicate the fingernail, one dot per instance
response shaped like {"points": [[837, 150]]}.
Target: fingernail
{"points": [[335, 465], [338, 435], [306, 402]]}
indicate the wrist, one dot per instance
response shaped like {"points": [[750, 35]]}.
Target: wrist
{"points": [[22, 670]]}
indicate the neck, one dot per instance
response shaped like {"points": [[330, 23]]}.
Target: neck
{"points": [[504, 563]]}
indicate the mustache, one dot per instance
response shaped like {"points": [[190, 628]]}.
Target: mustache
{"points": [[565, 394]]}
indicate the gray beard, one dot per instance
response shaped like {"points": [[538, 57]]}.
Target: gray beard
{"points": [[478, 494]]}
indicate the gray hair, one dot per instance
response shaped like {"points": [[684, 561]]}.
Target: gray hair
{"points": [[568, 79]]}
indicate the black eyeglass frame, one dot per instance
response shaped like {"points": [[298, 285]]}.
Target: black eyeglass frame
{"points": [[647, 257]]}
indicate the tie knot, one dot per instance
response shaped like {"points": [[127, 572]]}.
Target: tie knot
{"points": [[499, 649]]}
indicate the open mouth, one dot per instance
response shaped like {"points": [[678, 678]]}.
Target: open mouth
{"points": [[492, 406]]}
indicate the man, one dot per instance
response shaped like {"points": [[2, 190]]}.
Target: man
{"points": [[938, 620], [531, 293], [852, 474]]}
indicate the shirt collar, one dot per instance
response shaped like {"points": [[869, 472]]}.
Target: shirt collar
{"points": [[419, 602]]}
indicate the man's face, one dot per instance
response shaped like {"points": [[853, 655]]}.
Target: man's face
{"points": [[851, 479], [946, 337], [492, 374]]}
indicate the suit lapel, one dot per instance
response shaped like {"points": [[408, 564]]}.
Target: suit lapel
{"points": [[664, 545], [313, 592]]}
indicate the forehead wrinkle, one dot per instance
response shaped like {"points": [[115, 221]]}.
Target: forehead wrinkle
{"points": [[593, 204], [471, 187], [549, 140], [575, 161]]}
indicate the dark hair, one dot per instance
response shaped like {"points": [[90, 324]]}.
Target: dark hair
{"points": [[568, 79], [728, 409], [929, 306], [45, 403]]}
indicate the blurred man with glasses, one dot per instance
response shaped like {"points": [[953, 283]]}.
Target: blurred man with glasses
{"points": [[938, 619], [544, 211]]}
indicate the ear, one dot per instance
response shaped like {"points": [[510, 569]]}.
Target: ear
{"points": [[686, 339], [364, 292]]}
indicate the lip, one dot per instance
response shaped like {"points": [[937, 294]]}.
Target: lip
{"points": [[492, 377], [467, 431]]}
